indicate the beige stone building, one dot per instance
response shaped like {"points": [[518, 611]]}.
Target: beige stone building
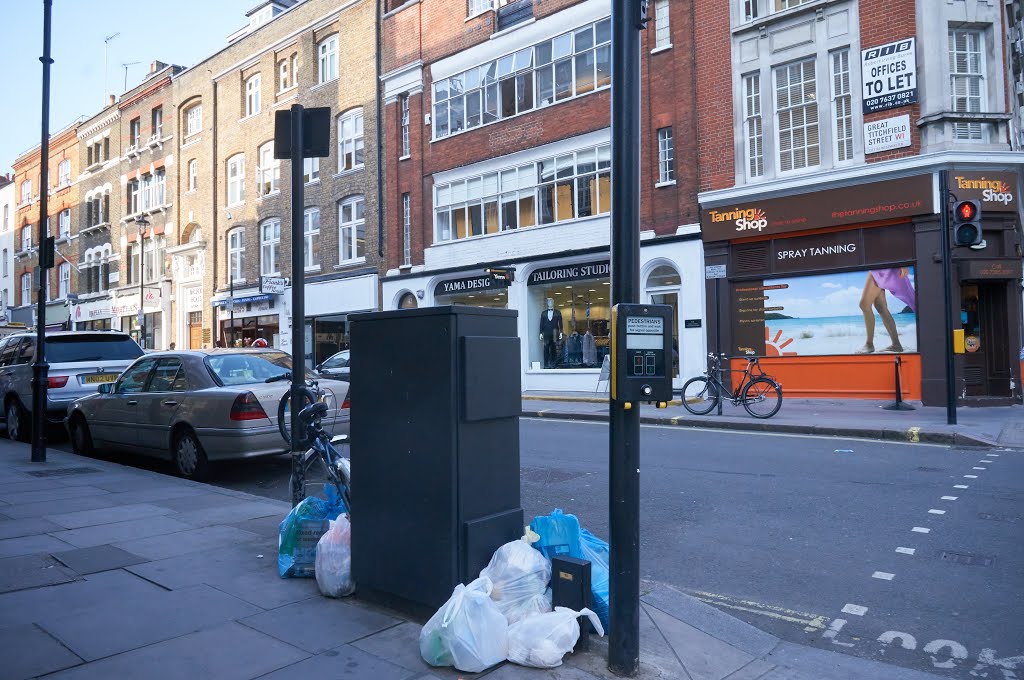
{"points": [[233, 198]]}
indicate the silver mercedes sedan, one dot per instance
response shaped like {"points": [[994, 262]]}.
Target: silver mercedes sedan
{"points": [[197, 406]]}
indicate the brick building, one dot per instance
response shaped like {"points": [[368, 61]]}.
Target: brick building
{"points": [[63, 209], [497, 154], [233, 197], [8, 206], [823, 127]]}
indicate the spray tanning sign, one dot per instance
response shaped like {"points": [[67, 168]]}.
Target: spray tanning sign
{"points": [[890, 75]]}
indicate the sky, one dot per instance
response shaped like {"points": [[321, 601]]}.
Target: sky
{"points": [[176, 31]]}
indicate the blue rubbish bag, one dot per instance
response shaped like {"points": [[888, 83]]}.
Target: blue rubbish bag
{"points": [[300, 531], [596, 552], [559, 534]]}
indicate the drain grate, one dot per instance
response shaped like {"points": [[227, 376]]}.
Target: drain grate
{"points": [[968, 559], [63, 472], [996, 518]]}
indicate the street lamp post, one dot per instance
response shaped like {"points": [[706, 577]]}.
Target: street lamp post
{"points": [[141, 222]]}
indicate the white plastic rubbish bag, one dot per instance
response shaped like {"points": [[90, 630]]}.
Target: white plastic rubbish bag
{"points": [[468, 632], [334, 560], [520, 575], [541, 641]]}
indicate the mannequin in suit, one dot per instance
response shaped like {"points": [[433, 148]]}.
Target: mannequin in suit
{"points": [[550, 333]]}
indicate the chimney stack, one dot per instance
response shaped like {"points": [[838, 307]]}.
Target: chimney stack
{"points": [[156, 66], [113, 100]]}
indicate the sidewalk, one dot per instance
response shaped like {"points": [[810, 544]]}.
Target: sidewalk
{"points": [[109, 571], [989, 426]]}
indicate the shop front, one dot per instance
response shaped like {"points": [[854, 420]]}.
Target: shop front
{"points": [[329, 303], [93, 315], [124, 311], [841, 289], [248, 317]]}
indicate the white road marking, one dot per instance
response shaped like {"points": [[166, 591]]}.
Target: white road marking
{"points": [[970, 476], [949, 498], [979, 468], [957, 652], [993, 455], [960, 486], [833, 631], [933, 511], [810, 622], [854, 609], [984, 461], [921, 530], [884, 575], [906, 551], [907, 641]]}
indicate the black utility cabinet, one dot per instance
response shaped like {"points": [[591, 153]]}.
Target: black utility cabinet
{"points": [[435, 450]]}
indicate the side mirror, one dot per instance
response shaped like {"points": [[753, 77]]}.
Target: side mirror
{"points": [[105, 388]]}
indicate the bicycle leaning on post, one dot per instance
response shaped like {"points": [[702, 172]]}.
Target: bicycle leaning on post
{"points": [[321, 448], [760, 395]]}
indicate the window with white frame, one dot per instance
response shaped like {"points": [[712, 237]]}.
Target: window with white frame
{"points": [[236, 179], [132, 195], [26, 238], [780, 5], [26, 191], [194, 120], [7, 271], [135, 132], [236, 255], [311, 238], [328, 59], [662, 29], [64, 276], [64, 224], [566, 187], [310, 170], [158, 122], [666, 156], [566, 66], [270, 247], [796, 113], [352, 228], [156, 253], [282, 76], [479, 6], [842, 105], [295, 70], [406, 230], [350, 140], [405, 125], [252, 95], [268, 174], [752, 124], [26, 289], [750, 10], [967, 79], [64, 173], [193, 174]]}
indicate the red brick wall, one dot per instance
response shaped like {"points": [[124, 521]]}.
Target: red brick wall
{"points": [[716, 147]]}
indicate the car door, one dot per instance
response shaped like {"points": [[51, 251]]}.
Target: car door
{"points": [[21, 371], [8, 346], [159, 403], [116, 422]]}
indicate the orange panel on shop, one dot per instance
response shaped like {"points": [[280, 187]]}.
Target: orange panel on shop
{"points": [[846, 377]]}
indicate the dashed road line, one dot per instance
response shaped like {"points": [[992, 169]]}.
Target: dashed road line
{"points": [[960, 486], [883, 575], [949, 498], [979, 468], [933, 511], [970, 476], [985, 461], [906, 551], [921, 530], [855, 609]]}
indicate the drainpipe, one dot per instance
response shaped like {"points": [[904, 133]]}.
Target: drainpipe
{"points": [[380, 137], [214, 235]]}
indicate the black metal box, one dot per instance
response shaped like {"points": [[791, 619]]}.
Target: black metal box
{"points": [[436, 398]]}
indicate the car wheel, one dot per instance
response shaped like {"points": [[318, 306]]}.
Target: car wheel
{"points": [[17, 423], [81, 438], [189, 458]]}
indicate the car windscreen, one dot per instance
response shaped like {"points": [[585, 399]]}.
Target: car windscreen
{"points": [[249, 368], [71, 348]]}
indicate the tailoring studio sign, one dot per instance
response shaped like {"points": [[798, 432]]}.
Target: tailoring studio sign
{"points": [[570, 272]]}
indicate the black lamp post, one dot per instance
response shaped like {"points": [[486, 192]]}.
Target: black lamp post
{"points": [[141, 222]]}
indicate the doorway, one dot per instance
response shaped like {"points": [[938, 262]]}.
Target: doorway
{"points": [[195, 330], [985, 323], [663, 288]]}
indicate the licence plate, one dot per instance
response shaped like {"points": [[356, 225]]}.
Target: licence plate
{"points": [[96, 378]]}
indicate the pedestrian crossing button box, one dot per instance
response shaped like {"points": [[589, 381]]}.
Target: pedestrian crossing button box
{"points": [[641, 353]]}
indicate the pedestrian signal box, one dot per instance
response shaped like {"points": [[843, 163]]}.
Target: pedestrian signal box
{"points": [[641, 354]]}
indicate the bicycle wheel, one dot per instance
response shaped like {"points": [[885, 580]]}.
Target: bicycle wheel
{"points": [[284, 416], [700, 395], [762, 398]]}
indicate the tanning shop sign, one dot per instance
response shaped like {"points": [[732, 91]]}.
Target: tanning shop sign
{"points": [[890, 75]]}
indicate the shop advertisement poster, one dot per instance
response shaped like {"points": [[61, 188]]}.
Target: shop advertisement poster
{"points": [[890, 75], [822, 314], [887, 134]]}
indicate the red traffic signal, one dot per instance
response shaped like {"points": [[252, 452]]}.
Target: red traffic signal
{"points": [[967, 223], [966, 211]]}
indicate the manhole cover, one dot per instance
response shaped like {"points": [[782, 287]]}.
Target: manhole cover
{"points": [[922, 468], [967, 558], [63, 472], [996, 518]]}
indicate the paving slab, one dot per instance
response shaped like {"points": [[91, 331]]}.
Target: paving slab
{"points": [[755, 670], [401, 646], [319, 624], [45, 508], [822, 665], [703, 657], [32, 571], [146, 481], [154, 495], [120, 513], [130, 624], [264, 526], [195, 501], [51, 494], [26, 527], [121, 531], [237, 511], [27, 545], [21, 484], [184, 542], [96, 559], [342, 663], [27, 652], [225, 652], [26, 606], [4, 517]]}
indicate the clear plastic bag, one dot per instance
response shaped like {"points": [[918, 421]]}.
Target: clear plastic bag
{"points": [[468, 632], [334, 560], [300, 531], [520, 576], [596, 552], [541, 641]]}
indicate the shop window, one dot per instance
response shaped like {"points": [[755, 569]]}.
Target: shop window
{"points": [[407, 301], [569, 322]]}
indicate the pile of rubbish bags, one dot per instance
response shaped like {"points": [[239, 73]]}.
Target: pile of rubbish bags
{"points": [[506, 613], [315, 539]]}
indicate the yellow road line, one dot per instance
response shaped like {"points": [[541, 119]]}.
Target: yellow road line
{"points": [[810, 622]]}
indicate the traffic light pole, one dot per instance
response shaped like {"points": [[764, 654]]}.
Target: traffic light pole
{"points": [[624, 424], [947, 295], [298, 303]]}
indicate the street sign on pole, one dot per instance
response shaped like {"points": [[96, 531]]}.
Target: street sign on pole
{"points": [[714, 271]]}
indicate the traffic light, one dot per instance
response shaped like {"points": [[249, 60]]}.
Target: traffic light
{"points": [[967, 223]]}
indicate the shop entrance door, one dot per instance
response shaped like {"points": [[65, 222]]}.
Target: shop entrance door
{"points": [[987, 338], [195, 330]]}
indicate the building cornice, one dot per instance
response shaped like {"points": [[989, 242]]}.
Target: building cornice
{"points": [[99, 125]]}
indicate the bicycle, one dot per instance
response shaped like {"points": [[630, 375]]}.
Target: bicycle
{"points": [[310, 394], [322, 449], [760, 395]]}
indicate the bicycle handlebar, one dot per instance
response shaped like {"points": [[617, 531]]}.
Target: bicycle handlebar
{"points": [[315, 410]]}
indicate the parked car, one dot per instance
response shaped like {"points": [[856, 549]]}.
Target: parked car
{"points": [[336, 366], [79, 362], [197, 406]]}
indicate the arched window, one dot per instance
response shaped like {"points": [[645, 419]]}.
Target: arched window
{"points": [[193, 120], [407, 301], [328, 53], [352, 228], [663, 276]]}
